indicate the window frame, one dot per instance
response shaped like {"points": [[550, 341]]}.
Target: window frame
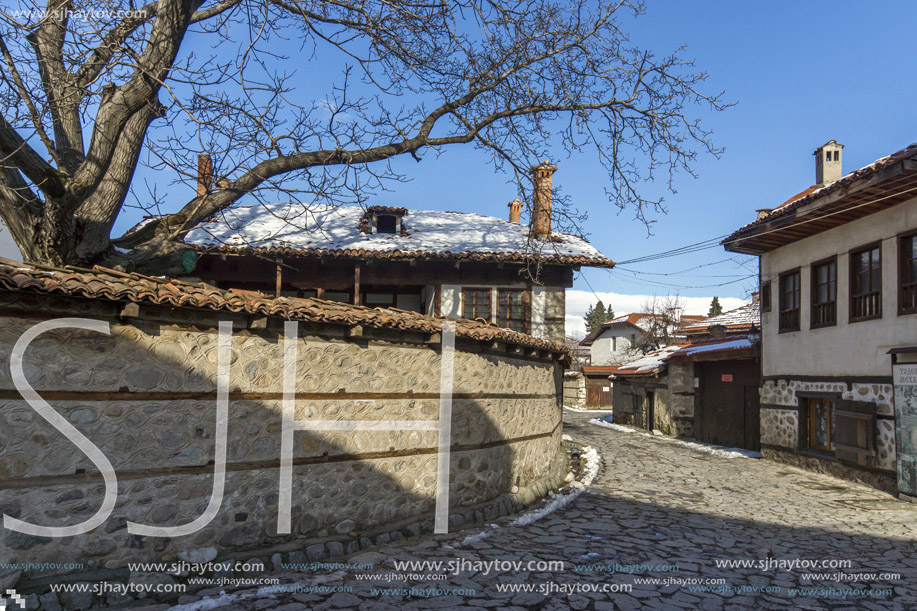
{"points": [[851, 288], [829, 416], [474, 305], [903, 266], [780, 297], [525, 304], [813, 294], [766, 301]]}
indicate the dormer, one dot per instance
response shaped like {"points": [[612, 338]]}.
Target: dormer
{"points": [[384, 220]]}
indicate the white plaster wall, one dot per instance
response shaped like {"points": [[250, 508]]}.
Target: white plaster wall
{"points": [[846, 349], [605, 351], [538, 311], [451, 301]]}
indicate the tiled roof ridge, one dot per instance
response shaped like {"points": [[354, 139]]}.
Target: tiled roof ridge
{"points": [[112, 285]]}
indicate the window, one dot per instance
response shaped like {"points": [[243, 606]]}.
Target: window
{"points": [[819, 423], [827, 155], [766, 296], [824, 293], [866, 283], [789, 301], [512, 310], [386, 223], [476, 304], [907, 274]]}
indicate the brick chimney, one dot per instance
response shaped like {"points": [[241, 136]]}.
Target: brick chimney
{"points": [[828, 163], [541, 209], [515, 211], [204, 174]]}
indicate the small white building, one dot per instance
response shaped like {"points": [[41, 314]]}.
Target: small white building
{"points": [[838, 279], [619, 341]]}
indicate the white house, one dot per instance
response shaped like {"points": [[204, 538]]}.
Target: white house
{"points": [[618, 341], [838, 267]]}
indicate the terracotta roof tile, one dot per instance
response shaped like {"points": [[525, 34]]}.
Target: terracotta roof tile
{"points": [[111, 285], [814, 192]]}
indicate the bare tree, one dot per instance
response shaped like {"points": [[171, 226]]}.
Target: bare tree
{"points": [[661, 326], [90, 89]]}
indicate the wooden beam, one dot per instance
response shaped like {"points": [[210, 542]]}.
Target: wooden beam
{"points": [[279, 278], [320, 293], [356, 284]]}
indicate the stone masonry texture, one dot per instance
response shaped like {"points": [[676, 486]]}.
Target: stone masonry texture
{"points": [[505, 434]]}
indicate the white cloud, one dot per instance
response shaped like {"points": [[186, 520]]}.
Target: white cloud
{"points": [[579, 301]]}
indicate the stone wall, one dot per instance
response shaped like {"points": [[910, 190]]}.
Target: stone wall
{"points": [[780, 427], [575, 390], [623, 401], [145, 395]]}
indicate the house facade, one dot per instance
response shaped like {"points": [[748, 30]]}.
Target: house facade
{"points": [[705, 387], [448, 264], [622, 339], [838, 276]]}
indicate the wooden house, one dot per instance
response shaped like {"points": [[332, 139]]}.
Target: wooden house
{"points": [[451, 264]]}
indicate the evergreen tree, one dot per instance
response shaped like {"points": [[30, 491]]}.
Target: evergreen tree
{"points": [[715, 308], [596, 315]]}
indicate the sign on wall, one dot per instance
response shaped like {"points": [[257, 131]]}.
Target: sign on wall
{"points": [[905, 381]]}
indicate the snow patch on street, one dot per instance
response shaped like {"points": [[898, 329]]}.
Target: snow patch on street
{"points": [[591, 411], [718, 451], [592, 461]]}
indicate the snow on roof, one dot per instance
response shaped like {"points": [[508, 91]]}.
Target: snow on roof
{"points": [[733, 343], [650, 362], [334, 231], [745, 316]]}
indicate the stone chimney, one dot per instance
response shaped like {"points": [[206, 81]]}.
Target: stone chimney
{"points": [[541, 209], [828, 163], [204, 174], [756, 296], [515, 211]]}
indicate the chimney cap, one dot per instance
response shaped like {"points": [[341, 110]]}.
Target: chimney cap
{"points": [[544, 165], [831, 142], [515, 202]]}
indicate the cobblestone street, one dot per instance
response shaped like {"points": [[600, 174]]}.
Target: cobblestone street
{"points": [[673, 510]]}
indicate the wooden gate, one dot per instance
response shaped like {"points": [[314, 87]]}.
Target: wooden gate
{"points": [[727, 404], [598, 392]]}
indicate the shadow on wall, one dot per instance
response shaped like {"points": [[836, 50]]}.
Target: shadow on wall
{"points": [[145, 395]]}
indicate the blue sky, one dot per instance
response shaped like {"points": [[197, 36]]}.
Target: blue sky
{"points": [[801, 73]]}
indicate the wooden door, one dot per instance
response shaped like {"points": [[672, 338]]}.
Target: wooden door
{"points": [[598, 392], [727, 407]]}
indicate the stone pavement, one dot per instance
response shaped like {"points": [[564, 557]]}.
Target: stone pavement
{"points": [[656, 522]]}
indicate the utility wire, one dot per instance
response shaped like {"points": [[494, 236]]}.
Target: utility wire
{"points": [[714, 242]]}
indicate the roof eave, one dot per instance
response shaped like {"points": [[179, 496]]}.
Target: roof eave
{"points": [[799, 213]]}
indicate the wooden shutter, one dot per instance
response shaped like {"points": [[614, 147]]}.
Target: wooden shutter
{"points": [[527, 310], [854, 432]]}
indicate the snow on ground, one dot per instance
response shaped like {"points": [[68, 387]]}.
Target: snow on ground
{"points": [[591, 463], [718, 451], [592, 411]]}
